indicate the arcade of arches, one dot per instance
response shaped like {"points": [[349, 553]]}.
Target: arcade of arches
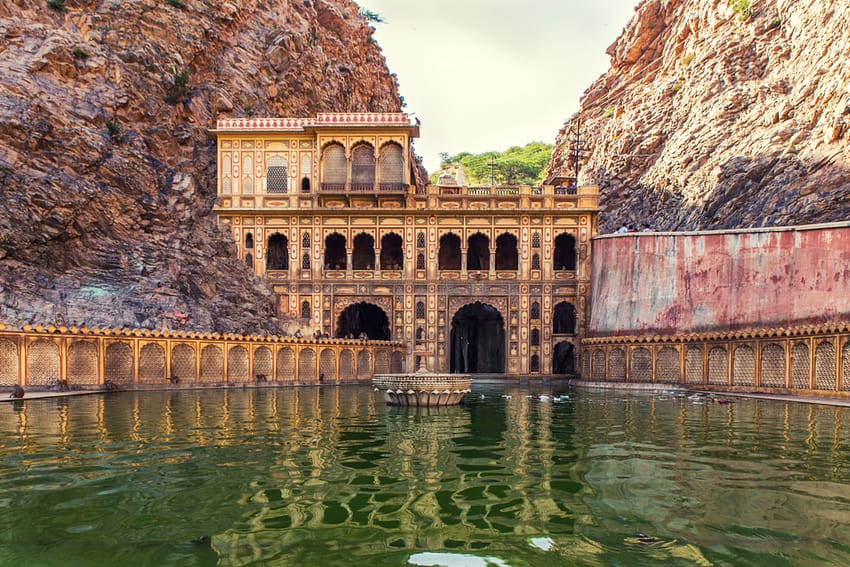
{"points": [[475, 279]]}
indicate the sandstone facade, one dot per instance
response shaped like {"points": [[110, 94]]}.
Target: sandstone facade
{"points": [[107, 171], [716, 117]]}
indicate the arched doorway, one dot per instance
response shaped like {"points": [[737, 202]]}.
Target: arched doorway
{"points": [[564, 257], [392, 254], [478, 253], [449, 256], [564, 322], [335, 256], [478, 340], [363, 318], [507, 257], [277, 256], [364, 252], [564, 359]]}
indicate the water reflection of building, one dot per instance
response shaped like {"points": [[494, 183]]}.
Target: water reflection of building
{"points": [[478, 279]]}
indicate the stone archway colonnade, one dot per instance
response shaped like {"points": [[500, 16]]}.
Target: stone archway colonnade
{"points": [[811, 360], [48, 357]]}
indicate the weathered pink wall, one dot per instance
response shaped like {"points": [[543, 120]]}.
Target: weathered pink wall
{"points": [[675, 283]]}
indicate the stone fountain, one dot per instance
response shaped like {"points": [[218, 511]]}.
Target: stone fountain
{"points": [[422, 388]]}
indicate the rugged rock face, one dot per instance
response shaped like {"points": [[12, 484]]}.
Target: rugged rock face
{"points": [[718, 115], [107, 172]]}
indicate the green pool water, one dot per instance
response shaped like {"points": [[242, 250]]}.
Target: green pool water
{"points": [[331, 477]]}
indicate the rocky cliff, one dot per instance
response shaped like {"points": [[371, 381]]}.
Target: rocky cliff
{"points": [[107, 172], [719, 114]]}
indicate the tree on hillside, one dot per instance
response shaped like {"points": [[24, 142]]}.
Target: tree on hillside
{"points": [[517, 165]]}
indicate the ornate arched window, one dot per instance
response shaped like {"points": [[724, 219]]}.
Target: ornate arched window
{"points": [[535, 240], [392, 255], [535, 310], [334, 165], [305, 261], [420, 240], [478, 252], [305, 309], [507, 257], [276, 175], [392, 165], [420, 261], [449, 256], [247, 172], [249, 240], [305, 240], [535, 337], [564, 257], [364, 252], [535, 261], [335, 256], [277, 253], [420, 310], [363, 167]]}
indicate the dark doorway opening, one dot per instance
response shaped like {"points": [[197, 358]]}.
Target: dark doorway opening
{"points": [[564, 257], [363, 318], [478, 340], [335, 258], [563, 360], [478, 253], [507, 257], [392, 256], [449, 257], [565, 319], [277, 257], [364, 252]]}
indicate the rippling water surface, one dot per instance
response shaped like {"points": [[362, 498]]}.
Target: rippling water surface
{"points": [[333, 477]]}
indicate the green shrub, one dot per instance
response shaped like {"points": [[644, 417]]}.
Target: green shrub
{"points": [[114, 128], [610, 111], [742, 8], [79, 53], [371, 16], [58, 5], [179, 88], [687, 59], [177, 4]]}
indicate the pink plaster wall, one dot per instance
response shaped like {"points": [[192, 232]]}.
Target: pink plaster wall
{"points": [[676, 283]]}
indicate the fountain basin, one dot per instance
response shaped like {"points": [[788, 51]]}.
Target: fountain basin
{"points": [[422, 389]]}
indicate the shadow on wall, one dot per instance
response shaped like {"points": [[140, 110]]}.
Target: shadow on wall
{"points": [[748, 192]]}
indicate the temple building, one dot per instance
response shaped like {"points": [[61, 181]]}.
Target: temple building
{"points": [[487, 280]]}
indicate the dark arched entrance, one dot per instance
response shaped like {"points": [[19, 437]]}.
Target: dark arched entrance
{"points": [[363, 318], [478, 340], [564, 321], [277, 256], [564, 359]]}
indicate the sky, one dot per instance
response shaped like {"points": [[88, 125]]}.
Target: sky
{"points": [[486, 75]]}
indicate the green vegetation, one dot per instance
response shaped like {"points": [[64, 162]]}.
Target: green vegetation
{"points": [[58, 5], [515, 166], [776, 23], [179, 88], [177, 4], [610, 112], [114, 128], [80, 53], [371, 16], [742, 8], [688, 58]]}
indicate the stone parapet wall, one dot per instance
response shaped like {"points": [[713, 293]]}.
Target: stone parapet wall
{"points": [[43, 358], [679, 283], [812, 360]]}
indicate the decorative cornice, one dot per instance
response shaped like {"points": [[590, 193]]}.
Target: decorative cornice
{"points": [[773, 332]]}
